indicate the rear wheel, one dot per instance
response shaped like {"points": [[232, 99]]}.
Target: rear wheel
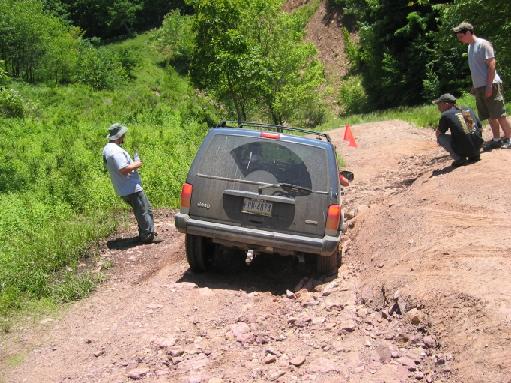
{"points": [[328, 265], [199, 252]]}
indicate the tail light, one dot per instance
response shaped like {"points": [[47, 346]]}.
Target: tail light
{"points": [[333, 219], [271, 136], [186, 196]]}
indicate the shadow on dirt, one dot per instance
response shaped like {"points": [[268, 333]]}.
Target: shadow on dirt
{"points": [[267, 273], [127, 243], [123, 243], [439, 172]]}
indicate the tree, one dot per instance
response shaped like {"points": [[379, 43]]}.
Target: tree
{"points": [[216, 62], [396, 48], [104, 18], [491, 21], [175, 38], [251, 55], [153, 11], [285, 72], [407, 52], [36, 45]]}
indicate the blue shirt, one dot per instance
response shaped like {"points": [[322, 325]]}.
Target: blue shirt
{"points": [[117, 158]]}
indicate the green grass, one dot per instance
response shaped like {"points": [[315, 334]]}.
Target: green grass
{"points": [[424, 116], [303, 14], [56, 200], [30, 312], [15, 360]]}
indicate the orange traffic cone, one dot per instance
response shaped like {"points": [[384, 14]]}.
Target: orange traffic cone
{"points": [[348, 136]]}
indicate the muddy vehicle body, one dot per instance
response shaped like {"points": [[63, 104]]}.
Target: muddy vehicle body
{"points": [[263, 189]]}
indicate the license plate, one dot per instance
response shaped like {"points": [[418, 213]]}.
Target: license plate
{"points": [[255, 206]]}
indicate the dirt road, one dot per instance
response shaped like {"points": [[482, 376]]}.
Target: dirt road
{"points": [[423, 293]]}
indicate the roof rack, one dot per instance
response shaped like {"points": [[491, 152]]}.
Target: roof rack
{"points": [[278, 128]]}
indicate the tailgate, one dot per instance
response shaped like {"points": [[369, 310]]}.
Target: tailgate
{"points": [[239, 179]]}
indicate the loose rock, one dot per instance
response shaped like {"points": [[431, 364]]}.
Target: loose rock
{"points": [[297, 360], [138, 373]]}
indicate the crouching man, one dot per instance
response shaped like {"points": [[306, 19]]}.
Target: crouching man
{"points": [[465, 138]]}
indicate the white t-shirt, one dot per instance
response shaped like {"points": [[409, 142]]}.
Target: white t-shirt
{"points": [[117, 158], [478, 52]]}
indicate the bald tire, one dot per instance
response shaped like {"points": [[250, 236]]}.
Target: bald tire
{"points": [[198, 253]]}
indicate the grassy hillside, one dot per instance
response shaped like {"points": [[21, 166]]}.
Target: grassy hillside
{"points": [[56, 199]]}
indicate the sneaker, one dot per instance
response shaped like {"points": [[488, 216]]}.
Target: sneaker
{"points": [[473, 159], [491, 144], [458, 163], [506, 143]]}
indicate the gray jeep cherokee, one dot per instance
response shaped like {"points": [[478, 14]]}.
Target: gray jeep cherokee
{"points": [[255, 188]]}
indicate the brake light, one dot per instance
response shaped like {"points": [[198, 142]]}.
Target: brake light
{"points": [[333, 219], [186, 196], [271, 136]]}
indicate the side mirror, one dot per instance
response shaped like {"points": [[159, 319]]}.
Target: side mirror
{"points": [[348, 175]]}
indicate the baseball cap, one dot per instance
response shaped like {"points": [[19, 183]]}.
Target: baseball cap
{"points": [[446, 97]]}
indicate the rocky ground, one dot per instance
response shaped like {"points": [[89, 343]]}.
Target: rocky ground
{"points": [[423, 294]]}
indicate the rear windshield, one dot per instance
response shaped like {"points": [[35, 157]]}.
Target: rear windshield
{"points": [[264, 160]]}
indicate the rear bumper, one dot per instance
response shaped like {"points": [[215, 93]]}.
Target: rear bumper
{"points": [[324, 246]]}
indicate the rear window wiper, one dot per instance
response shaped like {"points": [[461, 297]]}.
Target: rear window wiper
{"points": [[282, 185], [285, 186]]}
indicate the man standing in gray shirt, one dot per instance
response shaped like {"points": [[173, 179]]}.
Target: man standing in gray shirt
{"points": [[486, 85], [127, 182]]}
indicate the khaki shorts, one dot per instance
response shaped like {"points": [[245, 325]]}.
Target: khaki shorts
{"points": [[491, 107]]}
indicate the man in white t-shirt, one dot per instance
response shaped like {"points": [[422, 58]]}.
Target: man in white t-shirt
{"points": [[486, 85], [127, 182]]}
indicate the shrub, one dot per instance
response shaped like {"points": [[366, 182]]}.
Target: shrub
{"points": [[100, 68], [352, 96], [129, 60], [55, 198], [4, 77], [430, 85], [11, 103], [313, 115], [176, 37]]}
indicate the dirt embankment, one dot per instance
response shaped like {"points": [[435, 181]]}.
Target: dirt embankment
{"points": [[423, 293], [324, 30], [445, 243]]}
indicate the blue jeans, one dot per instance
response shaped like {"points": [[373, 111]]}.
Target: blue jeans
{"points": [[445, 141], [143, 213]]}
